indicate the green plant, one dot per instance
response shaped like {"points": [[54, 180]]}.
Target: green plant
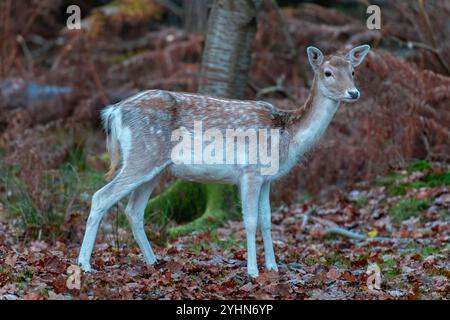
{"points": [[420, 165], [407, 208], [66, 189], [16, 198], [361, 201], [395, 186], [389, 268]]}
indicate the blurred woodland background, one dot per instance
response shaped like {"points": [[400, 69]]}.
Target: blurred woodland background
{"points": [[54, 82]]}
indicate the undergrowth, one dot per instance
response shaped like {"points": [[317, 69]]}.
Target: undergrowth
{"points": [[67, 189]]}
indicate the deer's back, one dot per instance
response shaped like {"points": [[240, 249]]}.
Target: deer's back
{"points": [[185, 108]]}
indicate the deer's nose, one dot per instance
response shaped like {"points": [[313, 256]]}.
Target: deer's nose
{"points": [[354, 93]]}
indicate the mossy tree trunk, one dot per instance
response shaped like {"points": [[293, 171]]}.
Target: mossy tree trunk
{"points": [[225, 68]]}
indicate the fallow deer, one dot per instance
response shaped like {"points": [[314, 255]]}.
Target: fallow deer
{"points": [[139, 133]]}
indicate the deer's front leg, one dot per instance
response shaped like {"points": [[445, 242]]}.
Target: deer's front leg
{"points": [[265, 224], [250, 189]]}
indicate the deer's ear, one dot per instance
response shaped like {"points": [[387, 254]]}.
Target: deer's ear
{"points": [[357, 55], [315, 57]]}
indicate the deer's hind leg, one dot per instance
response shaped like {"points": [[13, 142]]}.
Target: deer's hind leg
{"points": [[127, 180], [135, 213]]}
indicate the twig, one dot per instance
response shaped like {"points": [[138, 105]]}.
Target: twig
{"points": [[414, 44], [425, 16], [29, 23], [332, 228], [306, 216], [350, 234], [278, 87], [26, 52], [427, 146], [346, 233]]}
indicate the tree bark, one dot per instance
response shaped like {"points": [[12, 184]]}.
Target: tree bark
{"points": [[227, 54], [195, 15]]}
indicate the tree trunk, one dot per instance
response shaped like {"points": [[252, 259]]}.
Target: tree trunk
{"points": [[227, 54], [195, 15], [224, 73]]}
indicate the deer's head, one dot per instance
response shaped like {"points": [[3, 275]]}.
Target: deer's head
{"points": [[334, 74]]}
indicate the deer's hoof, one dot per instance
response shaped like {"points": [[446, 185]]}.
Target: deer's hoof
{"points": [[150, 261], [271, 266], [253, 273], [85, 266]]}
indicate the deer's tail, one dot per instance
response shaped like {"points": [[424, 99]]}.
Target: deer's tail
{"points": [[110, 123]]}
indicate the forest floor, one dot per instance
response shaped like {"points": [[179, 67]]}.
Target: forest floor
{"points": [[398, 224]]}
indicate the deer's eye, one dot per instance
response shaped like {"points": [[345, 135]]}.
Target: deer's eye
{"points": [[327, 73], [353, 73]]}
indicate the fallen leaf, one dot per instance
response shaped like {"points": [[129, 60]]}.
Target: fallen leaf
{"points": [[55, 296], [173, 266], [11, 259], [333, 274], [31, 296], [372, 233], [247, 287]]}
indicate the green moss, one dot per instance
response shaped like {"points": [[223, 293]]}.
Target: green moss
{"points": [[205, 205], [406, 209], [221, 204], [184, 200]]}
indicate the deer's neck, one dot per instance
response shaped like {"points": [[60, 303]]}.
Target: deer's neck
{"points": [[307, 129]]}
